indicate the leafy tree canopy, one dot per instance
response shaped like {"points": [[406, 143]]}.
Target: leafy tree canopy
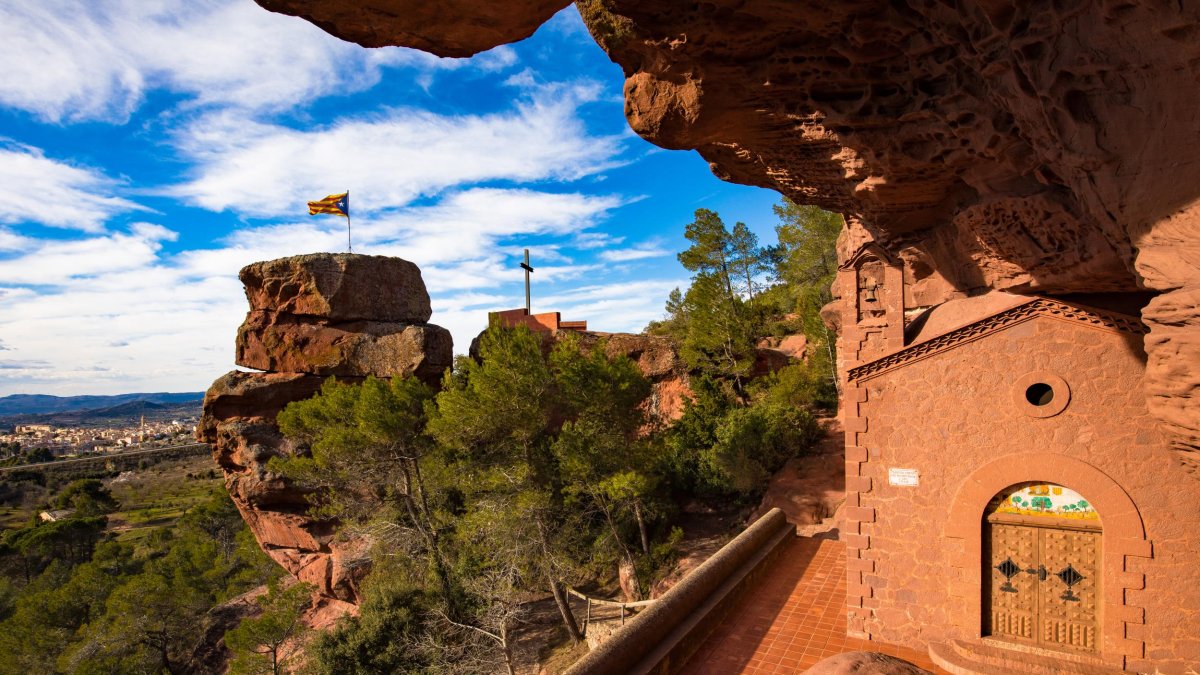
{"points": [[88, 497]]}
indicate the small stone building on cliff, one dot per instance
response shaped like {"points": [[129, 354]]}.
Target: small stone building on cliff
{"points": [[1010, 501]]}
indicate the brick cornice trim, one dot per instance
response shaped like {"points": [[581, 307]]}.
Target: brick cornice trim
{"points": [[973, 331]]}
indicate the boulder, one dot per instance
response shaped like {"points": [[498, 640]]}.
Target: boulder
{"points": [[774, 353], [246, 395], [656, 356], [795, 346], [284, 342], [339, 287], [865, 663], [767, 361], [312, 317]]}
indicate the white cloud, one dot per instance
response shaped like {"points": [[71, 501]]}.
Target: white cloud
{"points": [[463, 226], [58, 262], [35, 188], [618, 307], [115, 312], [471, 223], [388, 159], [589, 240], [66, 60], [11, 241], [639, 252]]}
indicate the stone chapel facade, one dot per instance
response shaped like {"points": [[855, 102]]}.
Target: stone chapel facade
{"points": [[1008, 495]]}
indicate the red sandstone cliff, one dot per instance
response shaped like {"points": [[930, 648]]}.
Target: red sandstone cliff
{"points": [[989, 144], [311, 317]]}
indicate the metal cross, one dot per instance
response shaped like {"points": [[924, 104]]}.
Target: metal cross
{"points": [[528, 270]]}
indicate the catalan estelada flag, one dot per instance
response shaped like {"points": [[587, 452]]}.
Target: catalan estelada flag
{"points": [[337, 205]]}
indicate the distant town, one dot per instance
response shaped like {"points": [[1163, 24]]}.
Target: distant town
{"points": [[44, 442], [53, 433]]}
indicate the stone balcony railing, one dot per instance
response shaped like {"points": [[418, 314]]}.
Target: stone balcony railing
{"points": [[662, 637]]}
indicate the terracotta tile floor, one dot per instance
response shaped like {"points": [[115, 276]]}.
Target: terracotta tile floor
{"points": [[793, 618]]}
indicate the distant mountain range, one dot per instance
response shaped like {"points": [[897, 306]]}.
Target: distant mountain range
{"points": [[38, 404], [96, 411]]}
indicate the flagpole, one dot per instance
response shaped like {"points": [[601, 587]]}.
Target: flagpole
{"points": [[349, 244]]}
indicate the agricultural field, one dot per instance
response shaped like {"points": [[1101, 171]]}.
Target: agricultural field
{"points": [[158, 495], [150, 497]]}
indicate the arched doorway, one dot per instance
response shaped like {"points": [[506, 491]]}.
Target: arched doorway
{"points": [[1042, 554]]}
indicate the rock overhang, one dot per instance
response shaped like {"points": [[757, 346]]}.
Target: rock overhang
{"points": [[1029, 148]]}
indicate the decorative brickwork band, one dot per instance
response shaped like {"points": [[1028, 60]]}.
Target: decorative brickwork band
{"points": [[974, 331]]}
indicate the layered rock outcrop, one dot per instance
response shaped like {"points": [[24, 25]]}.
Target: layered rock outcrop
{"points": [[658, 359], [989, 144], [865, 663], [312, 317]]}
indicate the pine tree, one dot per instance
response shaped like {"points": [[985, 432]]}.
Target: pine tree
{"points": [[369, 440], [749, 260], [718, 333], [258, 643], [806, 261], [712, 248], [497, 417]]}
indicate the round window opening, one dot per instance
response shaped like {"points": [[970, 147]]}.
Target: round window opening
{"points": [[1039, 394]]}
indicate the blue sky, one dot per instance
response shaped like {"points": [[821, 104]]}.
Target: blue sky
{"points": [[149, 149]]}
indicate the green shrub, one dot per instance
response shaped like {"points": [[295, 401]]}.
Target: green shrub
{"points": [[753, 442]]}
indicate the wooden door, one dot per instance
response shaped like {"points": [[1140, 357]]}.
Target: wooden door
{"points": [[1068, 601], [1043, 586], [1014, 592]]}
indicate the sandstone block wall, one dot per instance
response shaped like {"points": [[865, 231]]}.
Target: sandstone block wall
{"points": [[312, 317], [955, 416]]}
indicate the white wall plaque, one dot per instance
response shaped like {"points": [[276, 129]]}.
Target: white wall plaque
{"points": [[905, 477]]}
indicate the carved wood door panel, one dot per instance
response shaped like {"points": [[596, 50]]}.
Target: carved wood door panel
{"points": [[1014, 593], [1043, 585], [1068, 600]]}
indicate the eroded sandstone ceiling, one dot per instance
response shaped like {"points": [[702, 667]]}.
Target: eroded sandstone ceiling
{"points": [[1045, 147]]}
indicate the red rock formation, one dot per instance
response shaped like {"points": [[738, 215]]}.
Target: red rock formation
{"points": [[280, 342], [989, 144], [311, 317], [336, 287], [447, 28]]}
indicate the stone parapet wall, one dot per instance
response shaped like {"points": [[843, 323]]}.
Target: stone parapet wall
{"points": [[661, 638], [312, 317]]}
